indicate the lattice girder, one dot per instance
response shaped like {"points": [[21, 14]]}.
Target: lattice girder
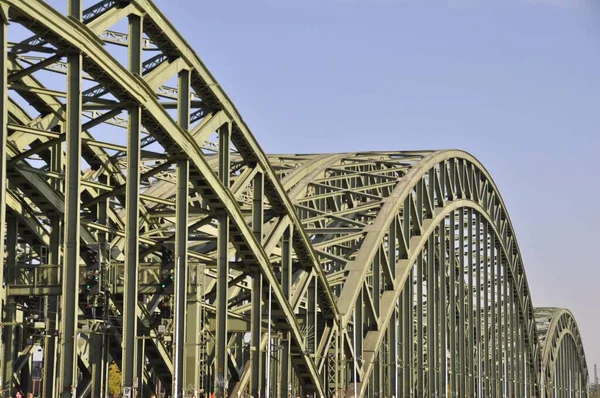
{"points": [[138, 206]]}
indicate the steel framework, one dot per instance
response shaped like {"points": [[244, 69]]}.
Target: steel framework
{"points": [[144, 226]]}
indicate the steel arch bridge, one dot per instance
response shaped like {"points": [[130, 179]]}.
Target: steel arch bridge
{"points": [[144, 226]]}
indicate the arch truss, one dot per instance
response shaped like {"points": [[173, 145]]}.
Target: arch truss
{"points": [[144, 227], [564, 368]]}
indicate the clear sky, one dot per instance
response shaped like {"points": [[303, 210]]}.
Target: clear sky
{"points": [[514, 82]]}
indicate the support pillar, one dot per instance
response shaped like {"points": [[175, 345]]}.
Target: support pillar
{"points": [[453, 371], [392, 353], [286, 284], [132, 204], [442, 316], [221, 379], [420, 392], [99, 359], [311, 317], [70, 266], [181, 243], [431, 321], [191, 375], [8, 340], [52, 308], [255, 335], [460, 285], [10, 348]]}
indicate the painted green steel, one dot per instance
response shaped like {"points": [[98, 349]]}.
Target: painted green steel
{"points": [[181, 246]]}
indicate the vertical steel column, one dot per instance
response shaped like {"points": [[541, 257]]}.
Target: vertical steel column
{"points": [[393, 247], [256, 311], [452, 296], [193, 307], [493, 340], [132, 203], [560, 371], [376, 292], [461, 308], [436, 309], [568, 367], [498, 345], [181, 259], [376, 295], [343, 367], [443, 356], [486, 335], [9, 336], [556, 377], [222, 269], [408, 320], [376, 374], [286, 284], [311, 317], [358, 318], [470, 350], [407, 323], [181, 240], [478, 342], [392, 370], [431, 329], [70, 268], [8, 341], [99, 358], [419, 317], [255, 334], [50, 346], [192, 366], [520, 361], [505, 328], [513, 339], [565, 368], [400, 356], [257, 206]]}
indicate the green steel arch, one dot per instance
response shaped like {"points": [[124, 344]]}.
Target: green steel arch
{"points": [[564, 368], [143, 225], [382, 222], [134, 97]]}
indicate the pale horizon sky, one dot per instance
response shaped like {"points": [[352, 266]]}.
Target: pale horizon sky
{"points": [[515, 83]]}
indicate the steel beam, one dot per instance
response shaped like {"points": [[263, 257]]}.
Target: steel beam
{"points": [[70, 267], [256, 298], [286, 284], [5, 346], [255, 335], [52, 302], [9, 330], [181, 241], [443, 352], [132, 208], [181, 271], [99, 356], [221, 371], [190, 317]]}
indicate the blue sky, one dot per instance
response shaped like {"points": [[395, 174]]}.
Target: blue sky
{"points": [[516, 83]]}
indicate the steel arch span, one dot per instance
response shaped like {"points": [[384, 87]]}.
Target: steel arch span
{"points": [[564, 368], [144, 227]]}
